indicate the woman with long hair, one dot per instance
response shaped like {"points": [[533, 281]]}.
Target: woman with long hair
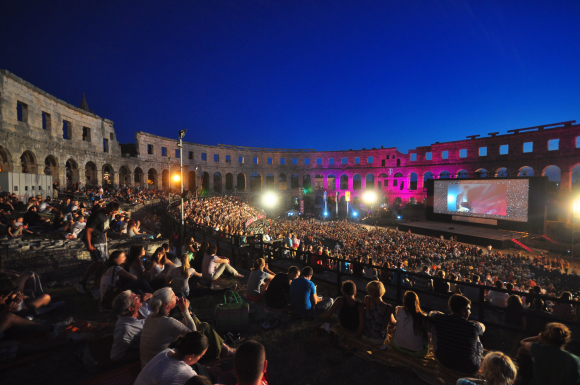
{"points": [[514, 313], [259, 279], [178, 278], [159, 267], [411, 337]]}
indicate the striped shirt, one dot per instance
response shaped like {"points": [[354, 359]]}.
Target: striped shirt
{"points": [[458, 345]]}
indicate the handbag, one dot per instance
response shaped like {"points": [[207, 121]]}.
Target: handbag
{"points": [[233, 315], [112, 292]]}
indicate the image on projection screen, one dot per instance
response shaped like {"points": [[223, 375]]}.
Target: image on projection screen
{"points": [[495, 199]]}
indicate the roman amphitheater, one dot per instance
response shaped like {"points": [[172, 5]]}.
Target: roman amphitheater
{"points": [[44, 135]]}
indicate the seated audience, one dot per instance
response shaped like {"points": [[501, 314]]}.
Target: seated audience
{"points": [[458, 346], [351, 311], [258, 281], [377, 313], [497, 369], [131, 316], [303, 297], [251, 364], [278, 294], [160, 329], [174, 365], [213, 266], [551, 364], [439, 285], [411, 336]]}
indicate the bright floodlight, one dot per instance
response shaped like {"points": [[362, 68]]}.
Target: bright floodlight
{"points": [[176, 178], [354, 213], [369, 197], [577, 206], [270, 199], [326, 213]]}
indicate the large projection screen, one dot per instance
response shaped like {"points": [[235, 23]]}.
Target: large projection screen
{"points": [[505, 199]]}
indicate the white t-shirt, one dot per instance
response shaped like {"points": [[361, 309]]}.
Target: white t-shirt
{"points": [[497, 299], [163, 370], [208, 266], [256, 279], [178, 281], [405, 336]]}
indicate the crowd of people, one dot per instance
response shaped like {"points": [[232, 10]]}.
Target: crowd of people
{"points": [[150, 294]]}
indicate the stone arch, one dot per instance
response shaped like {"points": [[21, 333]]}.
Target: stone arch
{"points": [[205, 181], [165, 178], [217, 182], [526, 171], [51, 166], [152, 178], [412, 201], [28, 163], [427, 175], [501, 172], [307, 181], [256, 181], [481, 173], [398, 201], [445, 174], [72, 172], [241, 182], [192, 181], [270, 181], [91, 174], [138, 176], [318, 182], [319, 201], [331, 182], [108, 175], [462, 174], [383, 182], [552, 172], [575, 175], [124, 176], [356, 182], [282, 184], [344, 182], [229, 181], [413, 179], [370, 182], [5, 160], [396, 178], [294, 183]]}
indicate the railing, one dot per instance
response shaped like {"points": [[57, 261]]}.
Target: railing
{"points": [[396, 281]]}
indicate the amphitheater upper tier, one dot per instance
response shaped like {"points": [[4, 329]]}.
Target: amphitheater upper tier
{"points": [[43, 134]]}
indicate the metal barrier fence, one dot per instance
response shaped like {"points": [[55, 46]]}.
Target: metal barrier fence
{"points": [[242, 251]]}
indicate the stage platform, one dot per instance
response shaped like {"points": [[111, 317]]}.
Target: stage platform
{"points": [[476, 235]]}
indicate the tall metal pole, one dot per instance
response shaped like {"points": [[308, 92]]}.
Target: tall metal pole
{"points": [[169, 178], [181, 194]]}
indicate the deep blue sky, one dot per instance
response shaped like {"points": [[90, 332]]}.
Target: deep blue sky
{"points": [[310, 74]]}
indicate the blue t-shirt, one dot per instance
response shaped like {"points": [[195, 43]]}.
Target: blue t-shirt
{"points": [[301, 290]]}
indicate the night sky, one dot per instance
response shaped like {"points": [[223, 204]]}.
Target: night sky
{"points": [[328, 75]]}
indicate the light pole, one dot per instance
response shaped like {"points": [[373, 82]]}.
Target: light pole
{"points": [[180, 145], [169, 177], [196, 187], [575, 209]]}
